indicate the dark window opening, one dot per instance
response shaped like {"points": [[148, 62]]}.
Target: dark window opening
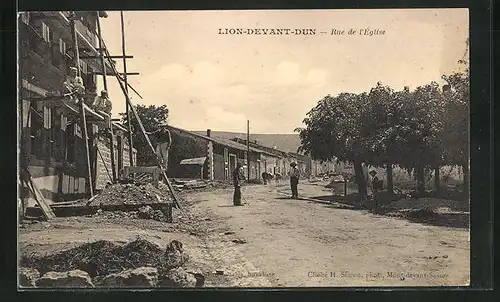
{"points": [[56, 136], [48, 134], [36, 130], [71, 141], [119, 147]]}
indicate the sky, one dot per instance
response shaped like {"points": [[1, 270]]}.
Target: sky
{"points": [[215, 81]]}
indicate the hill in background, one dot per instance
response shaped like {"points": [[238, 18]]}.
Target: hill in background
{"points": [[284, 142]]}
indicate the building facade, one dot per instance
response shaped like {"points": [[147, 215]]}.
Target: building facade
{"points": [[51, 137], [222, 155]]}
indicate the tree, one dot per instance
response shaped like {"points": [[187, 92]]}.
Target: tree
{"points": [[152, 117], [454, 137], [333, 131], [417, 130], [376, 130]]}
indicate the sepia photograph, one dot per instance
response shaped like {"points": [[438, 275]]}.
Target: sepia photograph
{"points": [[243, 148]]}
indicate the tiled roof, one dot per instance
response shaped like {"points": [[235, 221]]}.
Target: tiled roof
{"points": [[223, 141]]}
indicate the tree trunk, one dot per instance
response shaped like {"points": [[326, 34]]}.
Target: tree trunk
{"points": [[465, 169], [360, 179], [437, 182], [390, 182], [420, 179]]}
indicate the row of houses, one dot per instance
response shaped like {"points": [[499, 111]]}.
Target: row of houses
{"points": [[213, 158]]}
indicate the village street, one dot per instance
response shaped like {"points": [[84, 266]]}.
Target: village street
{"points": [[274, 241], [303, 243]]}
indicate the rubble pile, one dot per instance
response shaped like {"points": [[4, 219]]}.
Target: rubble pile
{"points": [[145, 212], [122, 194], [196, 185], [139, 263]]}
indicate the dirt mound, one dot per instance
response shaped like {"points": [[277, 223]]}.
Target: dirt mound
{"points": [[100, 258], [118, 194]]}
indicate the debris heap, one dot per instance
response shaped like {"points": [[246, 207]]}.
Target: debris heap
{"points": [[138, 263], [122, 194]]}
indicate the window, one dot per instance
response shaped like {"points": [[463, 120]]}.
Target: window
{"points": [[71, 143], [62, 46], [83, 67], [36, 125], [226, 163], [63, 136], [56, 135], [47, 120], [48, 136], [25, 18], [77, 131], [46, 32]]}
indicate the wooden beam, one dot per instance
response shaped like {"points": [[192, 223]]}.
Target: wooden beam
{"points": [[83, 209], [114, 74], [111, 134], [87, 151], [41, 16], [127, 109], [108, 57], [127, 98]]}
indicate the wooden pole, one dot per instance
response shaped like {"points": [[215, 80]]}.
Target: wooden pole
{"points": [[248, 149], [105, 83], [87, 152], [82, 111], [127, 109], [143, 130], [76, 57]]}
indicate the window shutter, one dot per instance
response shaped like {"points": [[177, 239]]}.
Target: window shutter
{"points": [[62, 46], [64, 122], [78, 130], [45, 118], [49, 120], [45, 32], [26, 113]]}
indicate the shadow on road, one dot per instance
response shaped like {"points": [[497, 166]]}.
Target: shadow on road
{"points": [[451, 220], [424, 211]]}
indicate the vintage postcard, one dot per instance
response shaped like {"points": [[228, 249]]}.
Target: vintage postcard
{"points": [[243, 148]]}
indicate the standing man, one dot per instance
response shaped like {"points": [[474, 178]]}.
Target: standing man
{"points": [[375, 186], [294, 180], [163, 147], [237, 185]]}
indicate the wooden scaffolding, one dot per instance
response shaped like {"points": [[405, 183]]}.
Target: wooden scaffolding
{"points": [[84, 113]]}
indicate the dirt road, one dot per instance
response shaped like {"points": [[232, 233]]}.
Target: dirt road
{"points": [[275, 241], [302, 243]]}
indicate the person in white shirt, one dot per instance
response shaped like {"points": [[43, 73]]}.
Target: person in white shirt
{"points": [[73, 84], [103, 106], [294, 179]]}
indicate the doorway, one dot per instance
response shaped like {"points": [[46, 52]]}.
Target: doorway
{"points": [[232, 163]]}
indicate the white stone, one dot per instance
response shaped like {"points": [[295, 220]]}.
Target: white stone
{"points": [[73, 279]]}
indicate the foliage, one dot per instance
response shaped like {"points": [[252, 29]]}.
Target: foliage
{"points": [[152, 118], [426, 127], [183, 146]]}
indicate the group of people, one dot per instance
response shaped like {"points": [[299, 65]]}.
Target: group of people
{"points": [[74, 88], [294, 175]]}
